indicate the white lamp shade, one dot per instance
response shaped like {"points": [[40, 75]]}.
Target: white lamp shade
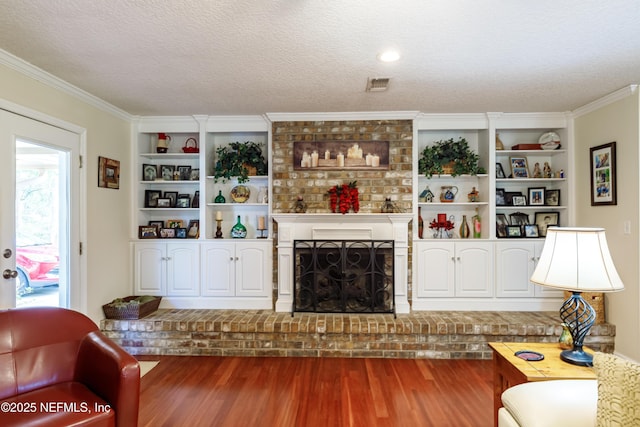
{"points": [[577, 259]]}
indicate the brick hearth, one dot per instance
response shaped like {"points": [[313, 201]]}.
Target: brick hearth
{"points": [[434, 335]]}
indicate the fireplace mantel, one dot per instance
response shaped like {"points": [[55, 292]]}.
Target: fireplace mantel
{"points": [[361, 226]]}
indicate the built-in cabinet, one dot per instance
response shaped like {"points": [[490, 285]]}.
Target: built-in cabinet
{"points": [[203, 269], [492, 271]]}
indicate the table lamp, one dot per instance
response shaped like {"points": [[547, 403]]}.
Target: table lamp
{"points": [[577, 260]]}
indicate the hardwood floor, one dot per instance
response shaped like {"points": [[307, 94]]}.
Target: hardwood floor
{"points": [[306, 392]]}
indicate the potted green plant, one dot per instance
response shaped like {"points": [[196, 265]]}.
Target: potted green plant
{"points": [[450, 157], [239, 160]]}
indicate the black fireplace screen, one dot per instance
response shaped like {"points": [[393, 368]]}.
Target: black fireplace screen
{"points": [[343, 276]]}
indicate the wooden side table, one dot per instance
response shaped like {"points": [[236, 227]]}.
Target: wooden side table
{"points": [[510, 370]]}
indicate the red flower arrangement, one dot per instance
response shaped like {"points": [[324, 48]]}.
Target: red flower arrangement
{"points": [[440, 225], [344, 197]]}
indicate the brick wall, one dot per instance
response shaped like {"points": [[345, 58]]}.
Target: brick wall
{"points": [[373, 186]]}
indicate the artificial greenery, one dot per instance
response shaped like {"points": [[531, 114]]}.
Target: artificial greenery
{"points": [[233, 160], [444, 152]]}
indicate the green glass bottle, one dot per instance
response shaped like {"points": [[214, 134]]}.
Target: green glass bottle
{"points": [[239, 231], [219, 198]]}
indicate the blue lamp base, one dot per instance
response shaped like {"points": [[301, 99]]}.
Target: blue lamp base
{"points": [[577, 357], [579, 316]]}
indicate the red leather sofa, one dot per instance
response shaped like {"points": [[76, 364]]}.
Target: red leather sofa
{"points": [[58, 369]]}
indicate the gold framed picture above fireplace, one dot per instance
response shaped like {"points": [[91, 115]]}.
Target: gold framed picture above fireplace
{"points": [[341, 155]]}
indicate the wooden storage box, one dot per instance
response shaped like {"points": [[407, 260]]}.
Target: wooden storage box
{"points": [[131, 312], [526, 147]]}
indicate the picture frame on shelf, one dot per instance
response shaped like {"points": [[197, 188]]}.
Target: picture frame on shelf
{"points": [[167, 233], [500, 171], [603, 175], [519, 200], [181, 233], [509, 195], [184, 173], [166, 172], [536, 196], [519, 167], [147, 232], [531, 230], [174, 223], [183, 202], [164, 202], [149, 172], [514, 231], [171, 195], [195, 174], [518, 218], [193, 231], [552, 197], [501, 225], [500, 200], [546, 219], [157, 224], [151, 198]]}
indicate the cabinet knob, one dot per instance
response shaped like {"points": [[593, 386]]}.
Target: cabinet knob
{"points": [[458, 259], [237, 259], [453, 258], [230, 258]]}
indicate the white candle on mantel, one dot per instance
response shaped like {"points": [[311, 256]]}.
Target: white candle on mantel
{"points": [[327, 155], [340, 159], [375, 161], [219, 216], [261, 223]]}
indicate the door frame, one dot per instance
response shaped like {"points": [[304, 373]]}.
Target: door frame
{"points": [[78, 293]]}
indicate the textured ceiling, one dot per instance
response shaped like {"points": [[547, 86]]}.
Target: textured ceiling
{"points": [[170, 57]]}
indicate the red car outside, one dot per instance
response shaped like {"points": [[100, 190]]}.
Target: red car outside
{"points": [[37, 267]]}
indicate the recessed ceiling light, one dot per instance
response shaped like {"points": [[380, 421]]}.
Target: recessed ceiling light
{"points": [[389, 56]]}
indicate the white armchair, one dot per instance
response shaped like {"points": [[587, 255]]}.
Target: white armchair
{"points": [[613, 399]]}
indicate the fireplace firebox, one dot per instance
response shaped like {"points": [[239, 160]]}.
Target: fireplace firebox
{"points": [[344, 276]]}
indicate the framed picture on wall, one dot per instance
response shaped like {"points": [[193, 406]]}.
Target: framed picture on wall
{"points": [[603, 175]]}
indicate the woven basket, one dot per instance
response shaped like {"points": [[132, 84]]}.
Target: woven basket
{"points": [[595, 300], [191, 148], [448, 168], [131, 312]]}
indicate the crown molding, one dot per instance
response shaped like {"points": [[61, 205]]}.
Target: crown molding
{"points": [[605, 100], [342, 116], [30, 70]]}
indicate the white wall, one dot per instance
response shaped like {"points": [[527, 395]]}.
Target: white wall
{"points": [[617, 121], [107, 256]]}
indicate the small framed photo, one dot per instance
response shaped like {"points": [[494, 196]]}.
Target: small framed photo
{"points": [[166, 172], [147, 232], [531, 230], [500, 171], [164, 202], [183, 202], [519, 218], [519, 167], [195, 175], [603, 175], [185, 173], [514, 231], [175, 223], [149, 172], [501, 225], [536, 196], [509, 195], [151, 198], [552, 197], [167, 233], [500, 201], [181, 233], [546, 219], [195, 202], [519, 200], [108, 173], [157, 224], [193, 231], [171, 195]]}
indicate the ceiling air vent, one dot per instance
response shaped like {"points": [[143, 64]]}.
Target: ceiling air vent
{"points": [[378, 84]]}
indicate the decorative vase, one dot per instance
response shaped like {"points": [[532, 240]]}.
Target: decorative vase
{"points": [[420, 223], [464, 228], [388, 206], [566, 340], [239, 231], [476, 221], [219, 198], [499, 144], [300, 206]]}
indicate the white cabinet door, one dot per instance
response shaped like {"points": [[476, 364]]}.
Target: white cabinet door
{"points": [[515, 262], [253, 269], [474, 269], [544, 291], [183, 269], [218, 269], [436, 274], [149, 269]]}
